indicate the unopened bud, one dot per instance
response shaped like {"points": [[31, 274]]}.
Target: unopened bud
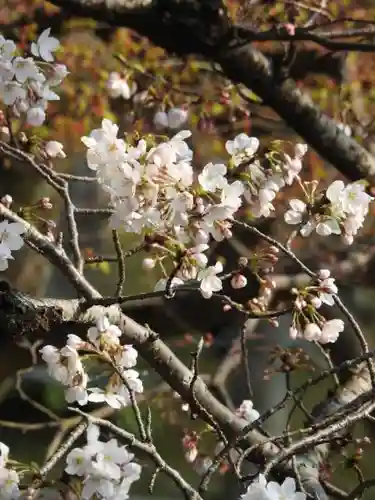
{"points": [[316, 302], [238, 281], [324, 274], [191, 455], [243, 261], [7, 200], [273, 249], [148, 264], [293, 332], [271, 257]]}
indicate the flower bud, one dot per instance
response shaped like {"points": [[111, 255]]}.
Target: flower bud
{"points": [[316, 302], [191, 455], [238, 281], [243, 261], [7, 200], [293, 332], [148, 264], [324, 274]]}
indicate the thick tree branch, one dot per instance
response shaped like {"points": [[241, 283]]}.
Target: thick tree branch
{"points": [[150, 346], [170, 24]]}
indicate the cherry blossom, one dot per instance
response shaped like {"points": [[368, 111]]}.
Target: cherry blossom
{"points": [[331, 330], [260, 489], [119, 87], [113, 400], [54, 149], [173, 119], [104, 332], [7, 49], [242, 147], [106, 468], [209, 281], [45, 45], [343, 213], [213, 177], [10, 240], [247, 412], [296, 212]]}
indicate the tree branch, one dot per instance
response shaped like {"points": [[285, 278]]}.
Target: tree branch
{"points": [[214, 38]]}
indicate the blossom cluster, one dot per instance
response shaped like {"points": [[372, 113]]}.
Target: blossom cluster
{"points": [[261, 489], [262, 184], [26, 83], [10, 240], [342, 211], [153, 191], [307, 322], [105, 468], [65, 366]]}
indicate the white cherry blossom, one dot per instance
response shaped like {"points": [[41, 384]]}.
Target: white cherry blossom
{"points": [[296, 212], [331, 331], [45, 46], [209, 281], [213, 177], [173, 119], [312, 332], [104, 332], [7, 49], [247, 412], [55, 149], [113, 400], [242, 147], [10, 91]]}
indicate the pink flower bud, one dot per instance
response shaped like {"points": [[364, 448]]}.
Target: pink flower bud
{"points": [[191, 455], [238, 281]]}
